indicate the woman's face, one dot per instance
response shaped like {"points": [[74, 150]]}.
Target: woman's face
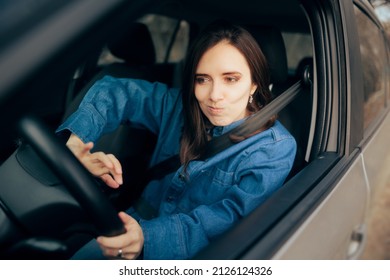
{"points": [[223, 84]]}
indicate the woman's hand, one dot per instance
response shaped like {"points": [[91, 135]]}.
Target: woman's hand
{"points": [[126, 246], [105, 166]]}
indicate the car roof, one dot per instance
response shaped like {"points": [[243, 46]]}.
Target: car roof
{"points": [[262, 12], [23, 55]]}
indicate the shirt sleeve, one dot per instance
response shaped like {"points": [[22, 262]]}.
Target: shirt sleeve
{"points": [[182, 235], [112, 101]]}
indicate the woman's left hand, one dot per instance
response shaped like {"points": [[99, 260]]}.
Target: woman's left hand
{"points": [[126, 246]]}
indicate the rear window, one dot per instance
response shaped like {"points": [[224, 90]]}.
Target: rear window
{"points": [[170, 37], [298, 47], [373, 58], [382, 9]]}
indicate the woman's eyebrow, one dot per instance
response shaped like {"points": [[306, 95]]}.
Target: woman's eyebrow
{"points": [[232, 73], [223, 74]]}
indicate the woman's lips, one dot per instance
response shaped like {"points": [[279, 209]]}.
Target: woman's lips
{"points": [[215, 110]]}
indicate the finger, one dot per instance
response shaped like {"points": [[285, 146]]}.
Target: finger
{"points": [[114, 253], [130, 243], [119, 241], [117, 178], [137, 237], [114, 243], [129, 252], [110, 252], [116, 163], [130, 256], [109, 181], [103, 158], [96, 167], [108, 176], [126, 219], [116, 172]]}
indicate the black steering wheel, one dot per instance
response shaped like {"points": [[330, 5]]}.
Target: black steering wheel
{"points": [[76, 178]]}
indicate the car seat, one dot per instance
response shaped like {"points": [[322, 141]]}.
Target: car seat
{"points": [[272, 45], [297, 115], [132, 146]]}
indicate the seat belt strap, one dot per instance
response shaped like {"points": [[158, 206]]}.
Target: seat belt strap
{"points": [[162, 168]]}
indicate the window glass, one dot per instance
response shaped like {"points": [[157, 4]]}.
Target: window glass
{"points": [[162, 30], [382, 9], [387, 74], [373, 57], [298, 47]]}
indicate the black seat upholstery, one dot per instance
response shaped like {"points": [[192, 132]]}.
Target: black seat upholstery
{"points": [[132, 146], [271, 43], [137, 60], [134, 45], [297, 115]]}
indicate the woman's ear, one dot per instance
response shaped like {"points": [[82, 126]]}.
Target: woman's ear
{"points": [[253, 89]]}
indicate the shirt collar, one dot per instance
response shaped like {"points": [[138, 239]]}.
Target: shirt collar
{"points": [[219, 130]]}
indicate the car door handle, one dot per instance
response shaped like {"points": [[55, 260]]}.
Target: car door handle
{"points": [[357, 241]]}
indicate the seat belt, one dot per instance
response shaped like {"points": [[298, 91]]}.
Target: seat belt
{"points": [[162, 168]]}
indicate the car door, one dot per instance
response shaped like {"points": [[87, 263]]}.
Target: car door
{"points": [[337, 228], [333, 226], [375, 67]]}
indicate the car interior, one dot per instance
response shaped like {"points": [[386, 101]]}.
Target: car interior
{"points": [[138, 61], [132, 52]]}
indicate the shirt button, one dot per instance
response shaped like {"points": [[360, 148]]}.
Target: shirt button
{"points": [[182, 177]]}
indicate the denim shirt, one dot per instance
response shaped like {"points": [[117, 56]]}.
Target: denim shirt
{"points": [[196, 207]]}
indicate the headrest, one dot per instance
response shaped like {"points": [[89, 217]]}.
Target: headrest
{"points": [[271, 43], [134, 45]]}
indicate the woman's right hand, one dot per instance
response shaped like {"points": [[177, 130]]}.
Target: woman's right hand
{"points": [[105, 166]]}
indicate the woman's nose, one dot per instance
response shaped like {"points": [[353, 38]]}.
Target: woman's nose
{"points": [[216, 92]]}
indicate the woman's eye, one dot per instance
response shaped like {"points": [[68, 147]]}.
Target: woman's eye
{"points": [[231, 79], [201, 80]]}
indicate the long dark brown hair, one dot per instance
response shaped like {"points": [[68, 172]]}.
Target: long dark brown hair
{"points": [[195, 135]]}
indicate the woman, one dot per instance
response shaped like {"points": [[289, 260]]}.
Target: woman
{"points": [[226, 80]]}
